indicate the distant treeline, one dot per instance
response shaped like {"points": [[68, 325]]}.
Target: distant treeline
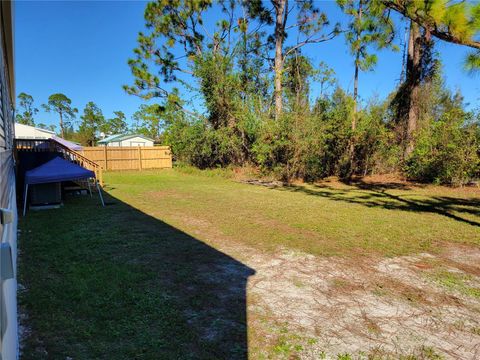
{"points": [[92, 122]]}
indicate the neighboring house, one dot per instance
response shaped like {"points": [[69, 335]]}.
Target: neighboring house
{"points": [[126, 140], [8, 211], [31, 132]]}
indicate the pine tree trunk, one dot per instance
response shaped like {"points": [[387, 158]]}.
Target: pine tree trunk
{"points": [[62, 130], [244, 62], [355, 94], [351, 150], [357, 64], [280, 9], [413, 86]]}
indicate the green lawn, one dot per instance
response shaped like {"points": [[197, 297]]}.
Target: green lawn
{"points": [[133, 280], [324, 219]]}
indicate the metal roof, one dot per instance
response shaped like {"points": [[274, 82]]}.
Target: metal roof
{"points": [[110, 138]]}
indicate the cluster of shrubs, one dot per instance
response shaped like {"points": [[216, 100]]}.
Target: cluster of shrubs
{"points": [[314, 139]]}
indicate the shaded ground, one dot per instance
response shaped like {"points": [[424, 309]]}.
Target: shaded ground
{"points": [[194, 266], [115, 283]]}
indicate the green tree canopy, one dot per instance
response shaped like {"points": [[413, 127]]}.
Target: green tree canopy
{"points": [[149, 120], [115, 125], [457, 22], [26, 110], [92, 122], [47, 127], [62, 105], [178, 24]]}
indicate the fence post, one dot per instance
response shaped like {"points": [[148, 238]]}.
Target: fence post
{"points": [[139, 157], [168, 153], [105, 156]]}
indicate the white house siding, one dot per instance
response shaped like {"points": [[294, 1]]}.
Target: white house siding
{"points": [[134, 141], [137, 141], [31, 132], [8, 231]]}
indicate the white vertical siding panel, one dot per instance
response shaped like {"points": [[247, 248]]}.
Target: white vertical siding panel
{"points": [[8, 232]]}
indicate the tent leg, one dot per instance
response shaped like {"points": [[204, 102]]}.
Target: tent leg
{"points": [[89, 187], [25, 195], [100, 193]]}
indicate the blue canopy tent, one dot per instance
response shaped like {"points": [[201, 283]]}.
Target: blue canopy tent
{"points": [[57, 170]]}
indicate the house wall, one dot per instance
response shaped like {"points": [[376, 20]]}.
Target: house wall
{"points": [[8, 231], [134, 141], [137, 141], [31, 132]]}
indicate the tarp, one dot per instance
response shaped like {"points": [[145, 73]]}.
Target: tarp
{"points": [[67, 143], [57, 170]]}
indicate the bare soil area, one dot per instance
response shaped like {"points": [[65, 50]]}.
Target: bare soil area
{"points": [[302, 306], [325, 307]]}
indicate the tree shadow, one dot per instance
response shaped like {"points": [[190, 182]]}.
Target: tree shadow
{"points": [[379, 186], [376, 195], [116, 283]]}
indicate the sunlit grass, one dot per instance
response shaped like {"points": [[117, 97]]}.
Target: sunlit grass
{"points": [[325, 219]]}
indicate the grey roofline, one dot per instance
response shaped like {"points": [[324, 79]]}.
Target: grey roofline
{"points": [[109, 139]]}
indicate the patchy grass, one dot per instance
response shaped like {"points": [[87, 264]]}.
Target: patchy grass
{"points": [[457, 281], [147, 277]]}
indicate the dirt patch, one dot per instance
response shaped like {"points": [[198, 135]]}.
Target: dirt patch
{"points": [[266, 183], [462, 254], [334, 307]]}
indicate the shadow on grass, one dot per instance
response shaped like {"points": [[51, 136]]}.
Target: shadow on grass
{"points": [[116, 283], [376, 195]]}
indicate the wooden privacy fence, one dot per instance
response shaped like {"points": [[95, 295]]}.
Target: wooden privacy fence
{"points": [[129, 158]]}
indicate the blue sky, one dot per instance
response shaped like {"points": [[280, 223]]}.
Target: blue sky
{"points": [[81, 49]]}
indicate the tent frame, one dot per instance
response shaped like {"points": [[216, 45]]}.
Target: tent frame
{"points": [[25, 194]]}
